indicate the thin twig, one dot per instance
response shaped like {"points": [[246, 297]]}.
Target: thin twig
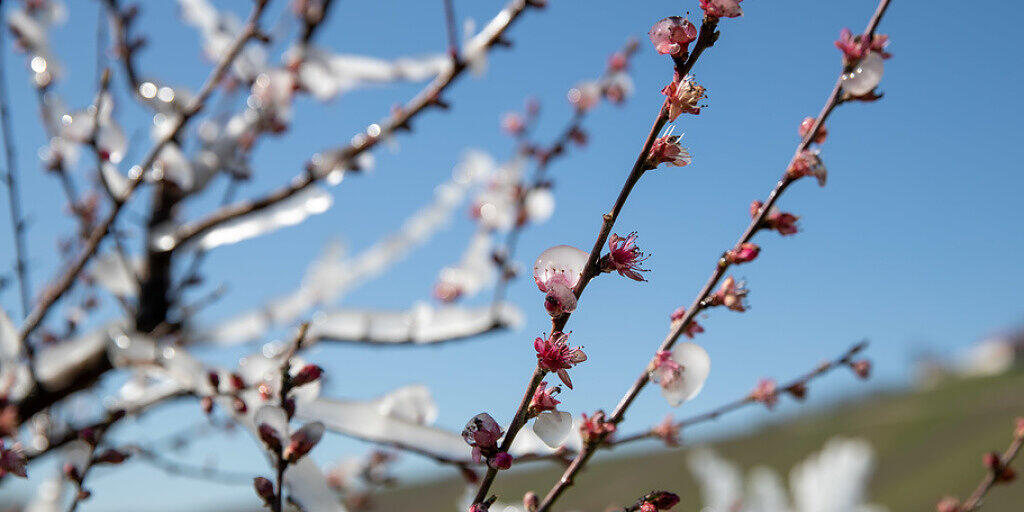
{"points": [[14, 195], [974, 502]]}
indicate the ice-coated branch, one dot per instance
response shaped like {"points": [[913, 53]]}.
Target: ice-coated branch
{"points": [[340, 160], [39, 400], [680, 325]]}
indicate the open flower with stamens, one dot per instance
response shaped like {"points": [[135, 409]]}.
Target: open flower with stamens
{"points": [[551, 426], [624, 257], [681, 372], [855, 48], [731, 295], [684, 96], [668, 150], [556, 272], [722, 8], [593, 427], [808, 163], [692, 329], [783, 222], [555, 355], [672, 35]]}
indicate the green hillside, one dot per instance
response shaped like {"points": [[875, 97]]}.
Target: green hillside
{"points": [[928, 443]]}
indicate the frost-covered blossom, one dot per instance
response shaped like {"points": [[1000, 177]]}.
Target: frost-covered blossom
{"points": [[483, 434], [12, 460], [667, 431], [692, 329], [805, 128], [684, 97], [783, 222], [668, 150], [594, 427], [721, 8], [624, 257], [854, 48], [556, 272], [742, 253], [766, 393], [672, 35], [555, 355], [731, 295], [862, 368], [585, 96], [681, 372], [808, 163]]}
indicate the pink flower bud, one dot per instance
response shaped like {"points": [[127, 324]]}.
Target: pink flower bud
{"points": [[531, 501], [502, 461], [555, 355], [544, 398], [721, 8], [743, 253], [110, 456], [862, 368], [648, 507], [513, 124], [662, 500], [805, 128], [766, 393], [783, 222], [270, 437], [624, 257], [855, 48], [730, 295], [307, 374], [214, 379], [667, 431], [206, 404], [483, 434], [672, 35], [303, 440], [692, 329], [264, 489], [808, 163]]}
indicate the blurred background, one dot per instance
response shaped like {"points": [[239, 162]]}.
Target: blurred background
{"points": [[907, 246]]}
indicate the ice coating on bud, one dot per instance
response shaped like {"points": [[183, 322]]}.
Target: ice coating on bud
{"points": [[672, 35], [552, 427], [556, 272], [865, 76], [722, 8], [682, 372], [482, 433]]}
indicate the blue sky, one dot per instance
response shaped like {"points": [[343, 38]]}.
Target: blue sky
{"points": [[907, 245]]}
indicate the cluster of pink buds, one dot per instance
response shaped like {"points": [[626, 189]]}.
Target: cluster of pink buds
{"points": [[658, 500], [765, 392], [783, 222], [808, 163], [595, 427], [624, 257], [483, 434], [684, 95], [555, 355], [668, 150], [855, 48], [673, 35], [731, 295], [742, 253], [692, 329], [721, 8], [12, 460], [667, 431]]}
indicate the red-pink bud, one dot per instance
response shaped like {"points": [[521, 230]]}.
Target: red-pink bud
{"points": [[862, 368], [110, 456], [805, 128], [264, 489], [206, 404], [307, 374], [214, 379], [303, 440], [502, 460], [672, 35], [270, 437], [531, 501], [743, 253], [239, 405]]}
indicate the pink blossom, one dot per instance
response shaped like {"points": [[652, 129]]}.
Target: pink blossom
{"points": [[805, 128], [721, 8], [862, 368], [544, 399], [501, 460], [692, 329], [668, 431], [556, 272], [513, 124], [672, 35], [684, 96], [854, 48], [765, 392], [585, 96], [555, 355], [483, 434], [665, 370], [731, 295], [624, 257], [808, 163], [667, 150], [595, 427], [12, 460], [742, 253], [783, 222]]}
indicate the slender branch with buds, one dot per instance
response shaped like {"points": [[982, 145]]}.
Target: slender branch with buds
{"points": [[999, 471]]}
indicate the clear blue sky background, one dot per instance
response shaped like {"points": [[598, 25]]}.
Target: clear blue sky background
{"points": [[907, 246]]}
